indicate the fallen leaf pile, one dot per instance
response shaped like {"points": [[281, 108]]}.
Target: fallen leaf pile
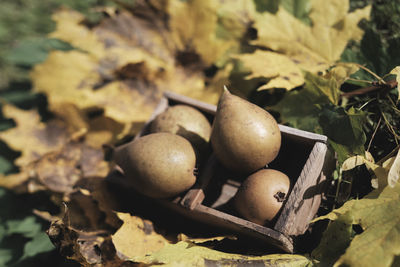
{"points": [[101, 92]]}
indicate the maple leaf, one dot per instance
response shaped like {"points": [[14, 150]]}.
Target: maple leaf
{"points": [[140, 232], [31, 136], [123, 71], [312, 48], [57, 154], [279, 69], [188, 254], [378, 214], [314, 108]]}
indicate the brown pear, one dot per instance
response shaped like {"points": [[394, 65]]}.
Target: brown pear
{"points": [[261, 195], [244, 136], [158, 165], [185, 121]]}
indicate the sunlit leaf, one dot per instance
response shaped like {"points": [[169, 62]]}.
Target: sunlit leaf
{"points": [[188, 254], [143, 239], [394, 172], [312, 48], [31, 136], [58, 170], [396, 71], [378, 215], [279, 69]]}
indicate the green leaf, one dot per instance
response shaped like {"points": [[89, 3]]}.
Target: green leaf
{"points": [[379, 216], [334, 242], [40, 243], [5, 256], [300, 108], [5, 165], [343, 127], [324, 90], [22, 235], [28, 226], [297, 109], [267, 6], [344, 130], [313, 108], [298, 8], [32, 51]]}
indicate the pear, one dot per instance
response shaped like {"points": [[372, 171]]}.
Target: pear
{"points": [[244, 137], [158, 165], [185, 121], [261, 195]]}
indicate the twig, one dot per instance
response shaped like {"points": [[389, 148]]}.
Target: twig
{"points": [[390, 127], [359, 80], [391, 154], [372, 73], [388, 85], [373, 135]]}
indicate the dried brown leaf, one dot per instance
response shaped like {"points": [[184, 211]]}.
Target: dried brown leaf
{"points": [[31, 136]]}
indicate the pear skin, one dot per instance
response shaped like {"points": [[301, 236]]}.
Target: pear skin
{"points": [[158, 165], [261, 195], [244, 137], [185, 121]]}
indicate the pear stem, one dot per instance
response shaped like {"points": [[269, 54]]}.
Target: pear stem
{"points": [[280, 196], [226, 89]]}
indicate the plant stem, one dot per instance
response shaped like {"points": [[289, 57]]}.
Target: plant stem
{"points": [[388, 85], [373, 135]]}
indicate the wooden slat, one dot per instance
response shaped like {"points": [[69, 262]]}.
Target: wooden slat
{"points": [[295, 216], [195, 195], [243, 227], [297, 211], [303, 135]]}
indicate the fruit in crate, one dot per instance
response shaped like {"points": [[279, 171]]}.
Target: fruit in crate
{"points": [[244, 136], [261, 195], [185, 121], [158, 165]]}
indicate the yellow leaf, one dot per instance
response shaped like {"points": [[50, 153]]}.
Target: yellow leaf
{"points": [[279, 69], [378, 214], [396, 71], [59, 170], [31, 136], [311, 48], [127, 70], [380, 171], [235, 17], [199, 240], [68, 26], [394, 172], [69, 77], [341, 72], [137, 238], [191, 35], [188, 254], [190, 84]]}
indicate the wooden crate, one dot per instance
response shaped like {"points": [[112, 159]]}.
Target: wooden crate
{"points": [[301, 157]]}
